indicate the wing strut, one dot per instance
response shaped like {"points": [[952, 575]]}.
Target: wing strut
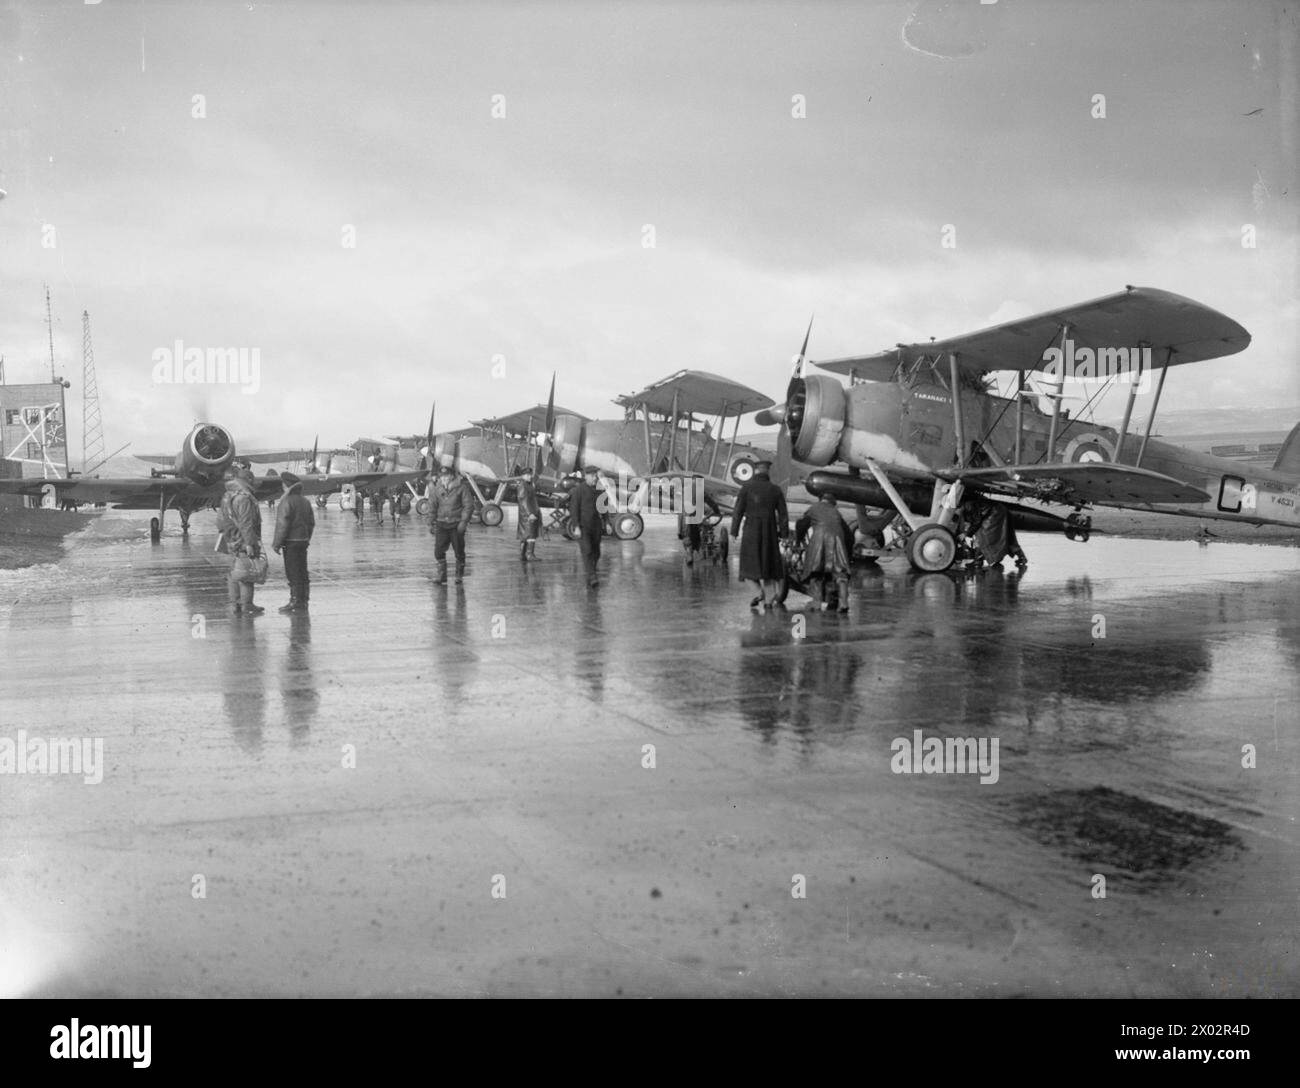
{"points": [[958, 423], [1056, 402], [1128, 413], [713, 454], [1020, 413], [1151, 416]]}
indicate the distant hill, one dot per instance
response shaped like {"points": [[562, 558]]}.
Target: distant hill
{"points": [[1196, 421]]}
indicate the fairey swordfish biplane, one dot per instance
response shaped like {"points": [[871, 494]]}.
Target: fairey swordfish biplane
{"points": [[193, 480], [672, 433], [924, 437]]}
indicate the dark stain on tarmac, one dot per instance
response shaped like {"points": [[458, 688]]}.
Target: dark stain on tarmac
{"points": [[1119, 832]]}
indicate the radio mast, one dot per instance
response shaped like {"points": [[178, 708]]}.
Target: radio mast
{"points": [[92, 421]]}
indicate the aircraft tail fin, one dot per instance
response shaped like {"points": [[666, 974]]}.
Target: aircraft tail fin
{"points": [[1288, 457]]}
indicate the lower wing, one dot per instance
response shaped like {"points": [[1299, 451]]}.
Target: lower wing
{"points": [[1079, 483]]}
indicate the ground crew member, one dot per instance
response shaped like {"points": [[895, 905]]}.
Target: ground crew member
{"points": [[587, 521], [450, 504], [530, 516], [825, 556], [760, 507], [241, 526], [295, 521]]}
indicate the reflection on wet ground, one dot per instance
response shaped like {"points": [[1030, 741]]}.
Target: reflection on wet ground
{"points": [[648, 767]]}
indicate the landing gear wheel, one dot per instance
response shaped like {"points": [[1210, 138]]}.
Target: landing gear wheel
{"points": [[422, 507], [932, 548], [570, 530], [628, 526], [724, 545], [321, 500], [491, 515]]}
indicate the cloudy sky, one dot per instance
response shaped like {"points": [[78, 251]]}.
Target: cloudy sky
{"points": [[222, 221]]}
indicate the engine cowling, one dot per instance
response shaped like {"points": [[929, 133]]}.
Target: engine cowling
{"points": [[566, 443], [208, 449], [814, 418]]}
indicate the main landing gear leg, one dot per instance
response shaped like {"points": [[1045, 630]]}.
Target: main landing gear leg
{"points": [[931, 544]]}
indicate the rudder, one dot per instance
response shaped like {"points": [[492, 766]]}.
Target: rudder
{"points": [[1288, 457]]}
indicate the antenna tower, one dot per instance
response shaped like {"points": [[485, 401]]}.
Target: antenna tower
{"points": [[92, 422]]}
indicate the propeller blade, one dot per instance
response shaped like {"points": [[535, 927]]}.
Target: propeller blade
{"points": [[315, 443], [803, 351], [543, 455]]}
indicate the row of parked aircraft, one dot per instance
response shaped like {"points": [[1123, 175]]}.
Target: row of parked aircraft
{"points": [[917, 434]]}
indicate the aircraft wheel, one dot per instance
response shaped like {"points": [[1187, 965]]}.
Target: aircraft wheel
{"points": [[932, 548], [491, 515], [320, 501], [570, 530], [422, 507], [628, 526]]}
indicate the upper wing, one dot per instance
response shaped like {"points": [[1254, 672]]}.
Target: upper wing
{"points": [[1079, 482], [132, 492], [696, 391], [1175, 328], [525, 419]]}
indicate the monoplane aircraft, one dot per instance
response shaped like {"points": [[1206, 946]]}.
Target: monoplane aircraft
{"points": [[921, 433]]}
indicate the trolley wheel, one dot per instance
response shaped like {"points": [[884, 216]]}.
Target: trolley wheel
{"points": [[628, 526], [932, 548]]}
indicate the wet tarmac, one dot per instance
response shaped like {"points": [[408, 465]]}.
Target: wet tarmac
{"points": [[429, 790]]}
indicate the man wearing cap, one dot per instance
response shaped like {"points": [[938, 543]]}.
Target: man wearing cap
{"points": [[294, 524], [241, 525], [760, 506], [450, 504], [587, 521]]}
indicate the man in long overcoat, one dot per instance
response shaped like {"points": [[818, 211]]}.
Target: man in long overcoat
{"points": [[530, 516], [760, 507]]}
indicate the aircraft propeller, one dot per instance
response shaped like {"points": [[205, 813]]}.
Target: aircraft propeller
{"points": [[775, 415], [426, 455], [543, 455]]}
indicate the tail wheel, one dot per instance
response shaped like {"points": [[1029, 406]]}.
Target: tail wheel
{"points": [[932, 548], [491, 515], [628, 526]]}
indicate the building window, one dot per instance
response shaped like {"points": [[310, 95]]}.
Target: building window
{"points": [[13, 417]]}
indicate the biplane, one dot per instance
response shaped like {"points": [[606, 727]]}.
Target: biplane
{"points": [[923, 435], [192, 482], [674, 429]]}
